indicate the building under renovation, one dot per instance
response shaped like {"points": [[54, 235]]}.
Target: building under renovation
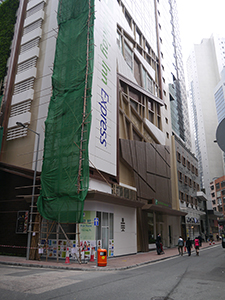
{"points": [[86, 113]]}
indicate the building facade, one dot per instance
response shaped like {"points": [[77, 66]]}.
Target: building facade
{"points": [[195, 222], [130, 157]]}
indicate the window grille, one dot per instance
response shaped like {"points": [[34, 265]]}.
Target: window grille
{"points": [[35, 9], [20, 108], [32, 26], [28, 64], [16, 132], [31, 44], [23, 86]]}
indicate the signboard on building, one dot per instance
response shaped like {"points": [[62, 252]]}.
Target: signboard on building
{"points": [[22, 221], [102, 143]]}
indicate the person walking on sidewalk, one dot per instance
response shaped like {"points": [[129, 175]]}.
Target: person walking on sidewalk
{"points": [[159, 246], [196, 243], [180, 245], [189, 246]]}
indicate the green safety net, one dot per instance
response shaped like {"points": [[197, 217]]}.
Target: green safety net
{"points": [[1, 128], [65, 169]]}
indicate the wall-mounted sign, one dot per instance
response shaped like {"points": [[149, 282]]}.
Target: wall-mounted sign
{"points": [[22, 221], [192, 220], [122, 225]]}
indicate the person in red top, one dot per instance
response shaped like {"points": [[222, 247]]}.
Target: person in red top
{"points": [[196, 243]]}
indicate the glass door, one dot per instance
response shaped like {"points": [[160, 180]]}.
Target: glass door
{"points": [[105, 228]]}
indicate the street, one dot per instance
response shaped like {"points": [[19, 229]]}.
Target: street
{"points": [[181, 277]]}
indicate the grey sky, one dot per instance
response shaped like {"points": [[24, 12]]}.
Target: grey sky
{"points": [[200, 19]]}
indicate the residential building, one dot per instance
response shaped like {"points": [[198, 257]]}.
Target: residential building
{"points": [[219, 96], [129, 155], [217, 187], [195, 222]]}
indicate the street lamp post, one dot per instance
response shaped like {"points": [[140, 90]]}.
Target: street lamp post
{"points": [[33, 190]]}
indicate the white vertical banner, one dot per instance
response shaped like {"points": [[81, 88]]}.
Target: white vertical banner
{"points": [[103, 135]]}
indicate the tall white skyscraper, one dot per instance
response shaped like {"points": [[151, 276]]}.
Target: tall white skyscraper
{"points": [[203, 68]]}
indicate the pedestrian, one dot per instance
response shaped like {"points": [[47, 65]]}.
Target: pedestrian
{"points": [[189, 246], [159, 246], [217, 237], [180, 245], [200, 240], [196, 243]]}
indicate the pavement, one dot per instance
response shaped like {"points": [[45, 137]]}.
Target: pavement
{"points": [[113, 263]]}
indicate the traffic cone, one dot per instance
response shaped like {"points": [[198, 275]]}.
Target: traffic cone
{"points": [[67, 256], [92, 254]]}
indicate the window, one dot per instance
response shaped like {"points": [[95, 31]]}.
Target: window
{"points": [[138, 36], [128, 18], [213, 195], [181, 196], [222, 184], [188, 165], [178, 157], [183, 161], [128, 55], [214, 202], [185, 180], [192, 169], [190, 182], [179, 176], [223, 192], [212, 187], [187, 198], [196, 171], [147, 81], [196, 202], [119, 40], [217, 185]]}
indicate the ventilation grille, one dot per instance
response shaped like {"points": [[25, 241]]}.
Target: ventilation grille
{"points": [[32, 26], [35, 9], [31, 44], [31, 63], [23, 86], [16, 132], [20, 108]]}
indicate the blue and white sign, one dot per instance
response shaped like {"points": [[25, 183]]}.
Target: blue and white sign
{"points": [[96, 221]]}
